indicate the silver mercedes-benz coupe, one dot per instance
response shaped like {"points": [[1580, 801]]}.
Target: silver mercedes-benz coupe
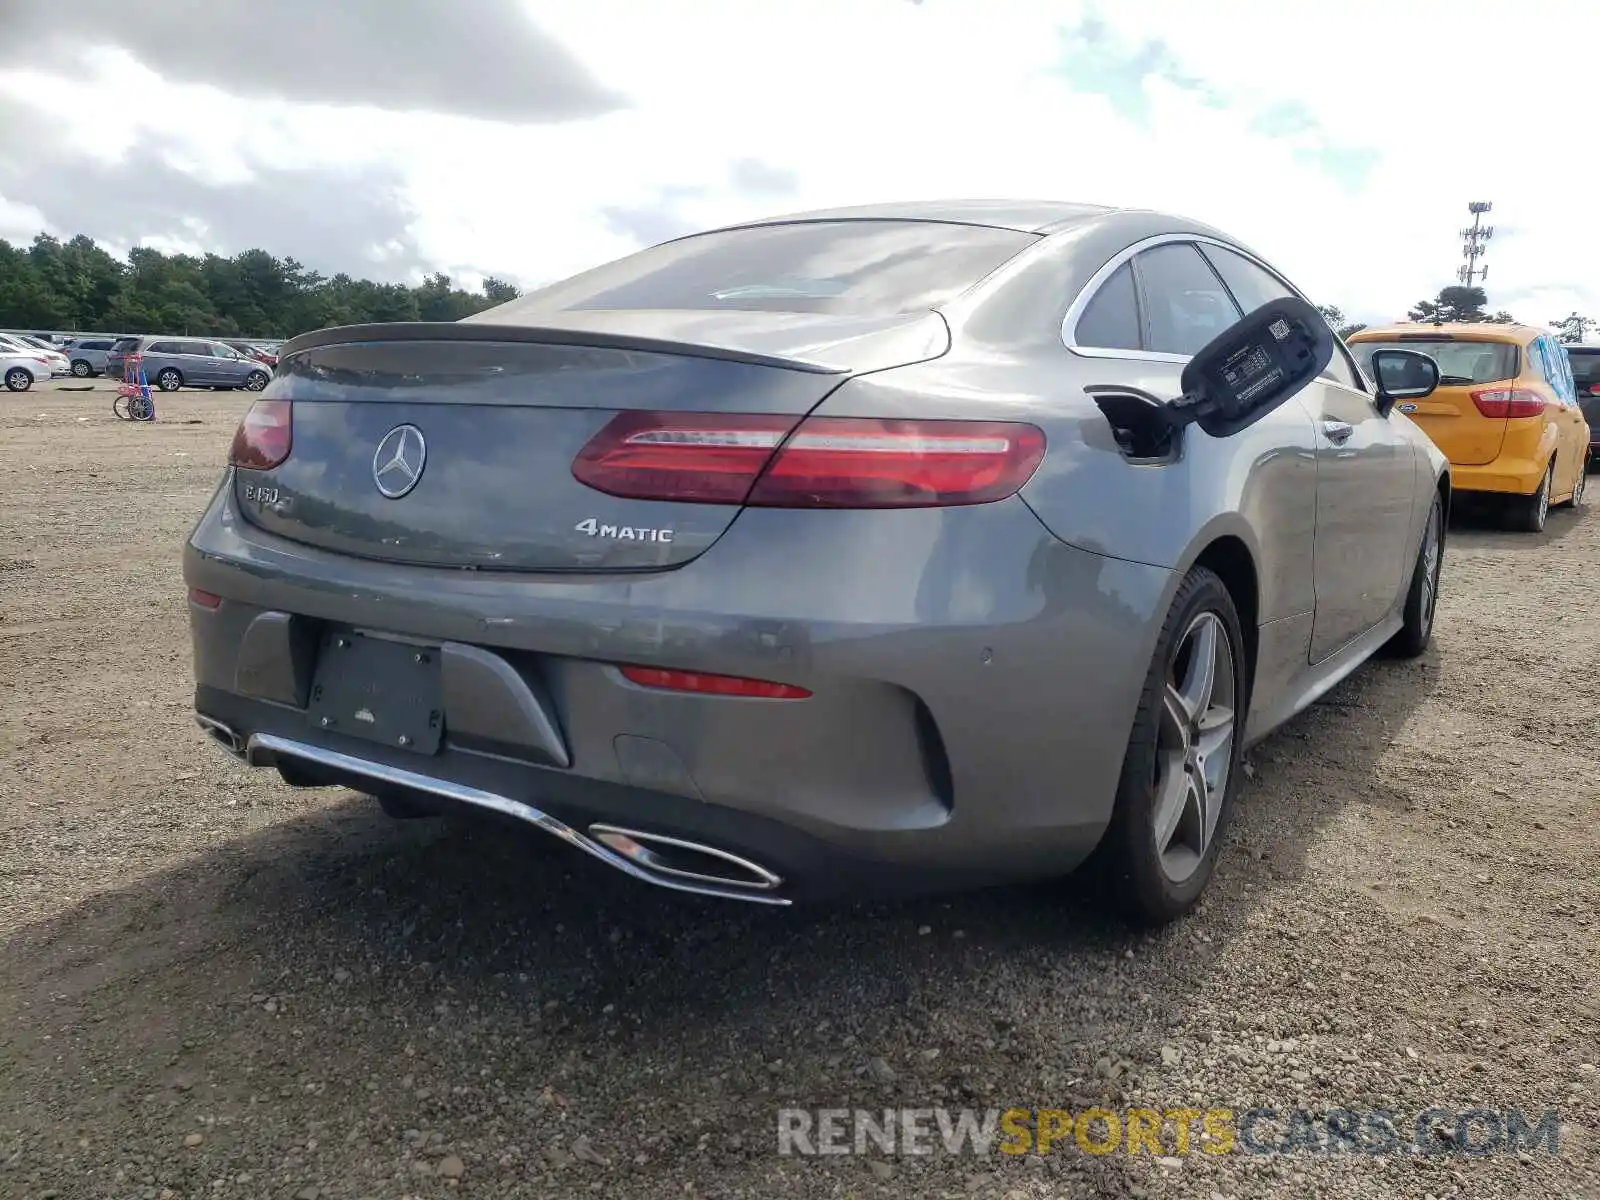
{"points": [[923, 545]]}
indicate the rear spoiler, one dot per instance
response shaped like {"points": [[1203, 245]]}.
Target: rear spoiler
{"points": [[452, 331]]}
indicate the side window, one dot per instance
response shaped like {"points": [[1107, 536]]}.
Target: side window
{"points": [[1340, 369], [1544, 365], [1185, 304], [1252, 287], [1569, 386], [164, 348], [1111, 320]]}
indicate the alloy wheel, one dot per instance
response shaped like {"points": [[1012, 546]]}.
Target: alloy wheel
{"points": [[1194, 746], [1430, 569]]}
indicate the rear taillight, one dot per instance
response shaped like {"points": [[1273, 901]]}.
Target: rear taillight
{"points": [[712, 685], [264, 437], [827, 462], [1508, 402], [204, 599]]}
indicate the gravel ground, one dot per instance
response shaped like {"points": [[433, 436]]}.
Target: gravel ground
{"points": [[212, 985]]}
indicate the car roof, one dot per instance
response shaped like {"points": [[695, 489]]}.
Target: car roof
{"points": [[1024, 216], [1466, 331]]}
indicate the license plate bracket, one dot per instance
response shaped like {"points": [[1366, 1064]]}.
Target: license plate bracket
{"points": [[378, 690]]}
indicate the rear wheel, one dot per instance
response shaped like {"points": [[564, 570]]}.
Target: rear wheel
{"points": [[1528, 513], [1182, 763], [81, 368], [1423, 596], [169, 380]]}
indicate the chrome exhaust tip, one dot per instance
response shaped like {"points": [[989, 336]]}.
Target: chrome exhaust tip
{"points": [[680, 859], [221, 734], [652, 858]]}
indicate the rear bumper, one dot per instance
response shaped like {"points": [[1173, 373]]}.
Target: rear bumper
{"points": [[1504, 476], [973, 684]]}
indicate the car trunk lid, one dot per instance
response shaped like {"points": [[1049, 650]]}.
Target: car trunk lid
{"points": [[453, 444]]}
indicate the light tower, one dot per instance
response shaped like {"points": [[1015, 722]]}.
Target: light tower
{"points": [[1473, 244]]}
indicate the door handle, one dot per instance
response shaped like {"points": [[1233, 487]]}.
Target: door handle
{"points": [[1337, 431]]}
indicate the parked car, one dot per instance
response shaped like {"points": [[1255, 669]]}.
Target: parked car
{"points": [[87, 356], [21, 369], [1585, 364], [54, 361], [1506, 413], [171, 363], [251, 350], [917, 545]]}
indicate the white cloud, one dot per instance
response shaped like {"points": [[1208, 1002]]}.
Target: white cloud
{"points": [[863, 100]]}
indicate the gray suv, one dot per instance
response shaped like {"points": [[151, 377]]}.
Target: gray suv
{"points": [[88, 355], [171, 363]]}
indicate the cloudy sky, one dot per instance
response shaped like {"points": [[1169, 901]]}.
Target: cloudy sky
{"points": [[533, 138]]}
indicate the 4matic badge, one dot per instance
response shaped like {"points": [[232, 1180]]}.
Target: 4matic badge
{"points": [[622, 533]]}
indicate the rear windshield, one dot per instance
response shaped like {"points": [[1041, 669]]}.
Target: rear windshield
{"points": [[125, 345], [1460, 363], [1585, 368], [868, 268]]}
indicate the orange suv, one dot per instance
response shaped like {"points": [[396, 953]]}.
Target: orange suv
{"points": [[1505, 412]]}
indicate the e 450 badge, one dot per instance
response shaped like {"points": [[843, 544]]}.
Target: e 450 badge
{"points": [[621, 533]]}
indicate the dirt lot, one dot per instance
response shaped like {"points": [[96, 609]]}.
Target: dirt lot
{"points": [[212, 985]]}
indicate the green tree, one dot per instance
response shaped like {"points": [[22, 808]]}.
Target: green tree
{"points": [[1458, 303], [499, 291], [1573, 328], [77, 285], [1334, 316]]}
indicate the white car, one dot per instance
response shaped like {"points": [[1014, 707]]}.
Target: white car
{"points": [[14, 343], [20, 369]]}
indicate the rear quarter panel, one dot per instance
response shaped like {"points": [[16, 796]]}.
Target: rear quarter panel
{"points": [[1008, 362]]}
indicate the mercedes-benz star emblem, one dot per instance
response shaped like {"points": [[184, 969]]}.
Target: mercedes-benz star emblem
{"points": [[397, 464]]}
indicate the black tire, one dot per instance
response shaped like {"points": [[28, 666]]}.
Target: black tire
{"points": [[18, 379], [170, 379], [119, 408], [1129, 861], [255, 381], [1422, 597], [81, 368], [1528, 513]]}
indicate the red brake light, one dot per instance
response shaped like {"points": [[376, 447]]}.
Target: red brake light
{"points": [[1508, 402], [827, 462], [714, 685], [264, 437], [700, 458], [204, 599], [1594, 389]]}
